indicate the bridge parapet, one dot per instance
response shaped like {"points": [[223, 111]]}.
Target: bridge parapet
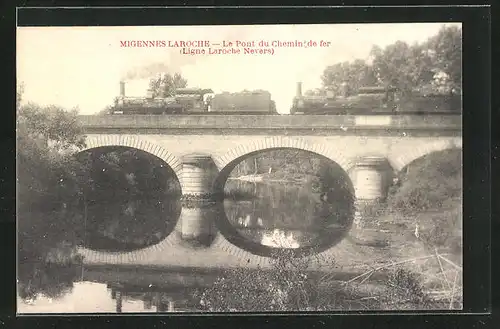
{"points": [[273, 122]]}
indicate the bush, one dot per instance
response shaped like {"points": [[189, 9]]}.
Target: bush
{"points": [[428, 183], [430, 192], [287, 286], [404, 288]]}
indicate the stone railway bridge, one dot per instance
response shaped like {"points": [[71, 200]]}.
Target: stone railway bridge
{"points": [[203, 149]]}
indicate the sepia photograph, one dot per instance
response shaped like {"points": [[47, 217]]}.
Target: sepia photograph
{"points": [[239, 168]]}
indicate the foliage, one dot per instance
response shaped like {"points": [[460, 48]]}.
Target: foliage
{"points": [[47, 187], [434, 65], [356, 74], [164, 86], [445, 50], [402, 66], [430, 182], [406, 288], [286, 287], [429, 190]]}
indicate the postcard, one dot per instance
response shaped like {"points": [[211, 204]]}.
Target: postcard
{"points": [[239, 168]]}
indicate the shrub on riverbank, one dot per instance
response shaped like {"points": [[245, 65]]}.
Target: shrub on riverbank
{"points": [[431, 182], [430, 194], [286, 287]]}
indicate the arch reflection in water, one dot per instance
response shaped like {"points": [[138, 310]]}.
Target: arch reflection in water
{"points": [[292, 208], [116, 230]]}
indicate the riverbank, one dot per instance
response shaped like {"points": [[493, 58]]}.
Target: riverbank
{"points": [[407, 256]]}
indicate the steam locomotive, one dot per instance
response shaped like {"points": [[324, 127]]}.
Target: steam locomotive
{"points": [[372, 100], [196, 101], [367, 100]]}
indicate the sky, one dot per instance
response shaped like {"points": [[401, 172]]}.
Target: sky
{"points": [[82, 66]]}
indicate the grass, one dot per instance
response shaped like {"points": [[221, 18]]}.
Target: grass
{"points": [[423, 259]]}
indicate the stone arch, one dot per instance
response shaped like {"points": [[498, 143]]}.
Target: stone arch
{"points": [[277, 142], [400, 161], [137, 143]]}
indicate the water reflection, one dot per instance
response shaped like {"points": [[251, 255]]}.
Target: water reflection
{"points": [[154, 299], [130, 226], [92, 297], [97, 297], [287, 215], [197, 223]]}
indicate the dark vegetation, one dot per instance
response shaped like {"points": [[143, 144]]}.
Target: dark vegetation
{"points": [[48, 191]]}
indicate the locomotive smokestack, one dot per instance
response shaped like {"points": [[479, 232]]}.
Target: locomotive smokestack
{"points": [[122, 88], [299, 89]]}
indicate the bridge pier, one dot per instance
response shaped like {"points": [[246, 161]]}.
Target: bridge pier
{"points": [[197, 222], [198, 174], [371, 176]]}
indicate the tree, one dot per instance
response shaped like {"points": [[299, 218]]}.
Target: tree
{"points": [[47, 190], [357, 74], [422, 65], [402, 66], [445, 50], [165, 86], [435, 64]]}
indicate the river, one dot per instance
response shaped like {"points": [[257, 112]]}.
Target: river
{"points": [[284, 214]]}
